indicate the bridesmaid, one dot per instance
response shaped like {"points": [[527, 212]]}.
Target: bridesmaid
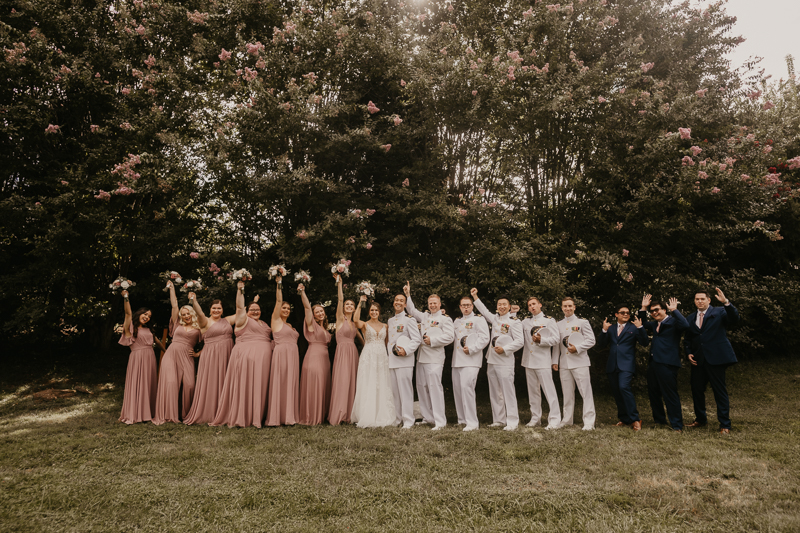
{"points": [[139, 401], [244, 394], [218, 343], [315, 381], [284, 399], [345, 361], [176, 380]]}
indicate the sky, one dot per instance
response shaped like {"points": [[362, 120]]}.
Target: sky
{"points": [[771, 30]]}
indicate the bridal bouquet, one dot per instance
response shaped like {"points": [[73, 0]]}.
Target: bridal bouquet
{"points": [[342, 268], [366, 288], [240, 275], [121, 284], [171, 275], [277, 270], [191, 286], [303, 277]]}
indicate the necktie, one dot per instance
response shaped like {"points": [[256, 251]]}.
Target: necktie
{"points": [[658, 327], [700, 319], [619, 329]]}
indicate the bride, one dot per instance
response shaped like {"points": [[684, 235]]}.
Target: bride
{"points": [[373, 405]]}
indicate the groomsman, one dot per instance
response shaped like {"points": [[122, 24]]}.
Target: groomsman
{"points": [[500, 359], [621, 339], [437, 332], [665, 359], [401, 361], [573, 365], [467, 361], [537, 358], [710, 352]]}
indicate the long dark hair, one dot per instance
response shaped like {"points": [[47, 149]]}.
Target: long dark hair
{"points": [[135, 320]]}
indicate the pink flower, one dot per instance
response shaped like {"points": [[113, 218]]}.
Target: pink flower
{"points": [[629, 278], [386, 147], [745, 177], [254, 49], [695, 150], [768, 105], [63, 182], [150, 61], [52, 128], [723, 167], [372, 108], [370, 212], [249, 74], [646, 66], [482, 191], [340, 268], [496, 59], [194, 255], [397, 120], [443, 51], [493, 204], [687, 160], [351, 240], [702, 175], [224, 55], [302, 234], [402, 83], [754, 95], [686, 133], [38, 204], [601, 99], [126, 91], [141, 30], [406, 183], [767, 149], [474, 93], [715, 190], [619, 226], [470, 51], [701, 93], [368, 246], [463, 212], [103, 195], [422, 17], [357, 212], [625, 252], [793, 163], [197, 17], [125, 126], [552, 8]]}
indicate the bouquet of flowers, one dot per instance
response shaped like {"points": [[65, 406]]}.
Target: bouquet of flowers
{"points": [[342, 268], [121, 284], [277, 270], [240, 275], [303, 277], [366, 288], [192, 286], [171, 275]]}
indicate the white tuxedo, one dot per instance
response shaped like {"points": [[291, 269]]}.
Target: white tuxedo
{"points": [[401, 369], [573, 370], [537, 359], [465, 367]]}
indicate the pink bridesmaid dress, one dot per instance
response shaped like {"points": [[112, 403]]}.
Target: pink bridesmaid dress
{"points": [[284, 398], [315, 381], [139, 401], [345, 369], [243, 400], [176, 381], [217, 346]]}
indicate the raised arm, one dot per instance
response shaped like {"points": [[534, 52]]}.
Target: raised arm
{"points": [[276, 313], [488, 315], [419, 316], [173, 299], [357, 315], [340, 304], [307, 306], [241, 312], [126, 325], [202, 320]]}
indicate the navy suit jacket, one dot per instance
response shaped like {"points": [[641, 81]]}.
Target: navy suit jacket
{"points": [[711, 341], [622, 349], [666, 344]]}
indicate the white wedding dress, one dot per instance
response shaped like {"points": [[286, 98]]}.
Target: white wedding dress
{"points": [[373, 405]]}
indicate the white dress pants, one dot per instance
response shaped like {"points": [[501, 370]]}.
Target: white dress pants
{"points": [[503, 395], [569, 380], [403, 393], [541, 379], [431, 393], [464, 380]]}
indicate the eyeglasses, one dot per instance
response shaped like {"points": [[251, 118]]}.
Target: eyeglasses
{"points": [[656, 310], [623, 312]]}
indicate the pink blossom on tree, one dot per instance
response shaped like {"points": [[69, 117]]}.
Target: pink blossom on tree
{"points": [[197, 17], [601, 100], [194, 255], [715, 190], [406, 183], [402, 83], [397, 120], [224, 55], [52, 128], [386, 147], [702, 175], [687, 161], [463, 212], [102, 195], [685, 133], [768, 105], [372, 108], [94, 128], [368, 246], [474, 93], [625, 252], [646, 66], [701, 93], [695, 150]]}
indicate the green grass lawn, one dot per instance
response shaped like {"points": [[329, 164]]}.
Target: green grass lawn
{"points": [[68, 465]]}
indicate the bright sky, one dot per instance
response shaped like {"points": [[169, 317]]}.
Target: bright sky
{"points": [[771, 30]]}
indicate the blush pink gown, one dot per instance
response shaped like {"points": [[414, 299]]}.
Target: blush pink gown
{"points": [[139, 401], [284, 397], [217, 346], [176, 381], [243, 399], [343, 381], [315, 381]]}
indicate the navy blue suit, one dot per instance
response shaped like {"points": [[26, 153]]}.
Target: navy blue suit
{"points": [[713, 352], [622, 365], [663, 366]]}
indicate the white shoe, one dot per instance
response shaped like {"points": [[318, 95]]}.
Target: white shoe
{"points": [[510, 428], [552, 427], [532, 424], [470, 428], [437, 428], [406, 427], [496, 425], [588, 428], [422, 423]]}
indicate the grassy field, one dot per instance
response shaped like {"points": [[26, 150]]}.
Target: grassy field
{"points": [[68, 465]]}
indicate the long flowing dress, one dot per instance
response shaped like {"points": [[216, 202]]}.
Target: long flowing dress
{"points": [[218, 344], [374, 403], [141, 380], [315, 381], [284, 395], [176, 380], [343, 380], [243, 399]]}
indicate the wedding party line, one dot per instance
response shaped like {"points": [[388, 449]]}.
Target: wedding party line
{"points": [[249, 369]]}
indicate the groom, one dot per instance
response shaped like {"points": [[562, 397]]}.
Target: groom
{"points": [[401, 362], [437, 332]]}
